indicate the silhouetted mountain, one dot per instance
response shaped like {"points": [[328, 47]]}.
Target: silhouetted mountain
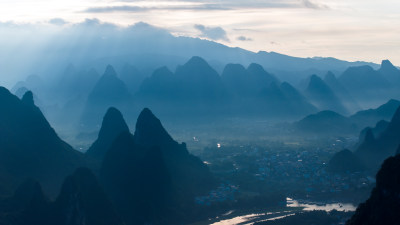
{"points": [[345, 161], [29, 147], [28, 205], [74, 82], [376, 131], [366, 85], [235, 80], [373, 150], [113, 125], [322, 96], [258, 78], [146, 46], [344, 96], [352, 124], [108, 91], [138, 181], [256, 91], [284, 101], [152, 175], [82, 201], [326, 123], [195, 88], [299, 104], [132, 77], [200, 82], [390, 72], [159, 87], [383, 206], [371, 116], [32, 82]]}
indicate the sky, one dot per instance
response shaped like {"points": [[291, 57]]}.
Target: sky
{"points": [[365, 30]]}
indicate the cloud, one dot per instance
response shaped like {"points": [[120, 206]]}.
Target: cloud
{"points": [[312, 5], [243, 38], [224, 4], [110, 9], [58, 21], [132, 8], [213, 33]]}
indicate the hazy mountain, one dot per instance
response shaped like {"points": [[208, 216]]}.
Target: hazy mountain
{"points": [[152, 178], [95, 44], [29, 147], [326, 123], [390, 72], [112, 126], [258, 78], [132, 77], [299, 104], [322, 96], [376, 131], [366, 85], [194, 89], [74, 82], [371, 116], [235, 80], [383, 206], [256, 91], [108, 91], [373, 150], [345, 161], [344, 96]]}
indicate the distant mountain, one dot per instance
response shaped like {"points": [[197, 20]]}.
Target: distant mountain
{"points": [[376, 131], [150, 177], [371, 116], [113, 125], [194, 89], [366, 85], [383, 206], [109, 91], [248, 82], [283, 101], [256, 91], [345, 161], [390, 72], [74, 82], [30, 148], [325, 123], [322, 96], [333, 123], [145, 46], [132, 77], [373, 150], [342, 93]]}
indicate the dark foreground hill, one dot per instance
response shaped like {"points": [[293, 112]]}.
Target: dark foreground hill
{"points": [[373, 150], [30, 148], [383, 206], [151, 178], [81, 202]]}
